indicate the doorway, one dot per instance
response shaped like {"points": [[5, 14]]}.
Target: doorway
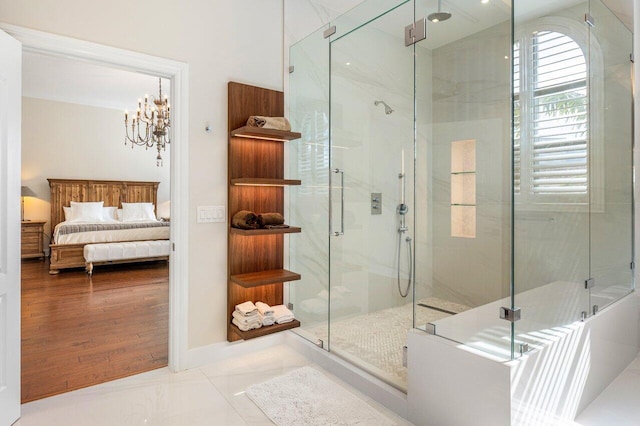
{"points": [[177, 73]]}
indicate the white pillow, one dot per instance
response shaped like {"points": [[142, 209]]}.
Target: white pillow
{"points": [[135, 212], [109, 213], [119, 214], [67, 213], [86, 212]]}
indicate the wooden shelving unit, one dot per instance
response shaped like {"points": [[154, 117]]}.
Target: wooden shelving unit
{"points": [[256, 183]]}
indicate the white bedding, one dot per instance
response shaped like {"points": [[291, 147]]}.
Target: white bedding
{"points": [[116, 235]]}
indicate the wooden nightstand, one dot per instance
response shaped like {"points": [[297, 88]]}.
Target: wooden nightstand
{"points": [[32, 238]]}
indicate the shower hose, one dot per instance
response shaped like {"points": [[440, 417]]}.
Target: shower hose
{"points": [[408, 240]]}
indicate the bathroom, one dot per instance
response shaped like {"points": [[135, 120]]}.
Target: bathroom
{"points": [[443, 181]]}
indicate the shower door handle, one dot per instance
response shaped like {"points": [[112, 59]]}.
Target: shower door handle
{"points": [[341, 232]]}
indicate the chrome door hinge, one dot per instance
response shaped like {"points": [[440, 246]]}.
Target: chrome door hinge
{"points": [[289, 306], [511, 315], [415, 32], [588, 283], [173, 246], [404, 356], [589, 20], [291, 69], [329, 31], [631, 58], [633, 265], [430, 328]]}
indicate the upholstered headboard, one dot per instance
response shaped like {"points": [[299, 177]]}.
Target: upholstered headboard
{"points": [[112, 192]]}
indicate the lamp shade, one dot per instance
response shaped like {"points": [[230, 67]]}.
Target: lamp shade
{"points": [[25, 191]]}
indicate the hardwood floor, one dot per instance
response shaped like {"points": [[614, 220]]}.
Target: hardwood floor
{"points": [[79, 331]]}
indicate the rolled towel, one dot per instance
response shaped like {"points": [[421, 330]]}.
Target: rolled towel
{"points": [[247, 308], [281, 314], [246, 320], [246, 327], [245, 219], [264, 309], [265, 219], [268, 320], [278, 123]]}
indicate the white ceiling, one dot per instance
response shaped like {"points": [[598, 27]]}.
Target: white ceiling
{"points": [[73, 81]]}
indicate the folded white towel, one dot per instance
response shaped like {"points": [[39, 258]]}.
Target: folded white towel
{"points": [[268, 319], [264, 309], [281, 314], [247, 320], [244, 327], [246, 308]]}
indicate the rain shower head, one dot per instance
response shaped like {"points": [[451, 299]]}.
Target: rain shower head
{"points": [[387, 108], [439, 16]]}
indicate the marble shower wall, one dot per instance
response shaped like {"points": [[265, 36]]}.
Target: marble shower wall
{"points": [[471, 101]]}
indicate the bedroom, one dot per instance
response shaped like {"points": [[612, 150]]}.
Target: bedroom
{"points": [[73, 128]]}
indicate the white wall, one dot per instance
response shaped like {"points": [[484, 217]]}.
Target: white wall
{"points": [[221, 41], [72, 141]]}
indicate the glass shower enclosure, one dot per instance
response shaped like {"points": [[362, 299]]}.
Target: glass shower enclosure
{"points": [[463, 164]]}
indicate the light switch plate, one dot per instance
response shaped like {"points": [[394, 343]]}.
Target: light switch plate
{"points": [[211, 214]]}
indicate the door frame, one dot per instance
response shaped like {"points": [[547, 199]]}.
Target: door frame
{"points": [[178, 72]]}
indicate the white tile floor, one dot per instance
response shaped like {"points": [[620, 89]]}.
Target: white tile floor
{"points": [[214, 395]]}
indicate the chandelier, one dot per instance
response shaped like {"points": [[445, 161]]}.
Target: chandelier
{"points": [[151, 124]]}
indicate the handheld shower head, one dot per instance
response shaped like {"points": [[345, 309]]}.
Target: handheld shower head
{"points": [[387, 108], [439, 16]]}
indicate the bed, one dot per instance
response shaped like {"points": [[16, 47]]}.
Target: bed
{"points": [[69, 239]]}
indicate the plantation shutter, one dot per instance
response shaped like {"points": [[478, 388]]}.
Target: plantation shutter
{"points": [[517, 153], [558, 130]]}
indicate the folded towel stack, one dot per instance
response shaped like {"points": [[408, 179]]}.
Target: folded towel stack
{"points": [[266, 313], [278, 123], [281, 314], [246, 316]]}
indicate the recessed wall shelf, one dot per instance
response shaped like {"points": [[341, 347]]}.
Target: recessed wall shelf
{"points": [[273, 276], [260, 133], [264, 182], [463, 188]]}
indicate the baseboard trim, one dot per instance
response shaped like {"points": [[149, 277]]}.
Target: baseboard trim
{"points": [[214, 352]]}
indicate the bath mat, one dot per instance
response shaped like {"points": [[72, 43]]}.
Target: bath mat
{"points": [[306, 397]]}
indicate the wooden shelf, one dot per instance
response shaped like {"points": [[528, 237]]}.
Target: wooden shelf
{"points": [[265, 134], [248, 232], [264, 182], [263, 331], [254, 279]]}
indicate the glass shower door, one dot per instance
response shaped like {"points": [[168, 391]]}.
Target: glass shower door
{"points": [[372, 191]]}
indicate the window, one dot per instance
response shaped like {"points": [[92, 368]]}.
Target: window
{"points": [[551, 105]]}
